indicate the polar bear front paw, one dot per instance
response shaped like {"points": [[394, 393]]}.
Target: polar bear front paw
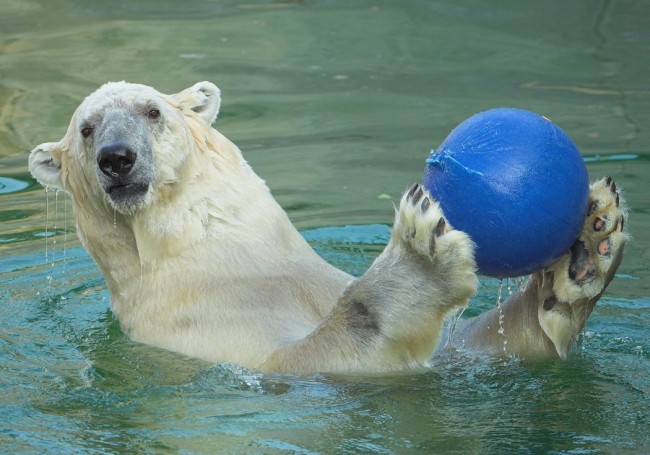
{"points": [[420, 228], [587, 268], [419, 222]]}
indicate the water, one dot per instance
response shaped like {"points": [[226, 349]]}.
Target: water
{"points": [[336, 105]]}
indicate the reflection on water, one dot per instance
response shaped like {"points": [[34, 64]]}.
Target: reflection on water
{"points": [[336, 105], [9, 185], [611, 157]]}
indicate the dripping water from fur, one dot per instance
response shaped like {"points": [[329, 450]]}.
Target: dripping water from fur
{"points": [[454, 321], [519, 283], [47, 251], [55, 233], [54, 229], [65, 232], [50, 247], [47, 219], [501, 330], [516, 285], [51, 230]]}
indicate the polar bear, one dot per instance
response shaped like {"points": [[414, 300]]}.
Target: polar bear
{"points": [[200, 259]]}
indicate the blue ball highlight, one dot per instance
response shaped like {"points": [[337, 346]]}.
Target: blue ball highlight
{"points": [[516, 184]]}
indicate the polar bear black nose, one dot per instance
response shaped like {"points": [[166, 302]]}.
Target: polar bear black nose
{"points": [[116, 160]]}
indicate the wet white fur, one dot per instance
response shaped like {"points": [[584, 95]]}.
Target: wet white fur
{"points": [[209, 265]]}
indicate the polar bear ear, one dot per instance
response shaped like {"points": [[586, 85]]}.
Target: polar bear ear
{"points": [[204, 98], [45, 165]]}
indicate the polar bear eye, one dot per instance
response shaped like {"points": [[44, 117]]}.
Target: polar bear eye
{"points": [[153, 114], [86, 131]]}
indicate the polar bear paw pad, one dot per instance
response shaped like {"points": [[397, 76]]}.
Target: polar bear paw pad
{"points": [[585, 271]]}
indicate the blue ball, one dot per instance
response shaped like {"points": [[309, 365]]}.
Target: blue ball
{"points": [[516, 184]]}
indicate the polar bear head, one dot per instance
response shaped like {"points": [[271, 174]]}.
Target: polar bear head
{"points": [[108, 154]]}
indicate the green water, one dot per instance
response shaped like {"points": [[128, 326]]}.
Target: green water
{"points": [[336, 104]]}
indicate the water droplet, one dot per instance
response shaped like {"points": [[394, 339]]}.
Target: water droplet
{"points": [[65, 232], [501, 330], [48, 278], [47, 219], [55, 220]]}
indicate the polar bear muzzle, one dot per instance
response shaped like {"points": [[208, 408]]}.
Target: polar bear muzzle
{"points": [[124, 158], [116, 162]]}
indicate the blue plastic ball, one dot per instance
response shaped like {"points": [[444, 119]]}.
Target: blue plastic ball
{"points": [[516, 184]]}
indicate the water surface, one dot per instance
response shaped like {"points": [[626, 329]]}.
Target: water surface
{"points": [[336, 105]]}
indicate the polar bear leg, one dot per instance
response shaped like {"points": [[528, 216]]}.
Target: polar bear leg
{"points": [[582, 275], [546, 317], [586, 270], [390, 318]]}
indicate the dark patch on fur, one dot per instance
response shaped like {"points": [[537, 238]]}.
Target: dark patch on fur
{"points": [[425, 205], [581, 265], [440, 227], [592, 208], [412, 190], [549, 303], [361, 319], [417, 196]]}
